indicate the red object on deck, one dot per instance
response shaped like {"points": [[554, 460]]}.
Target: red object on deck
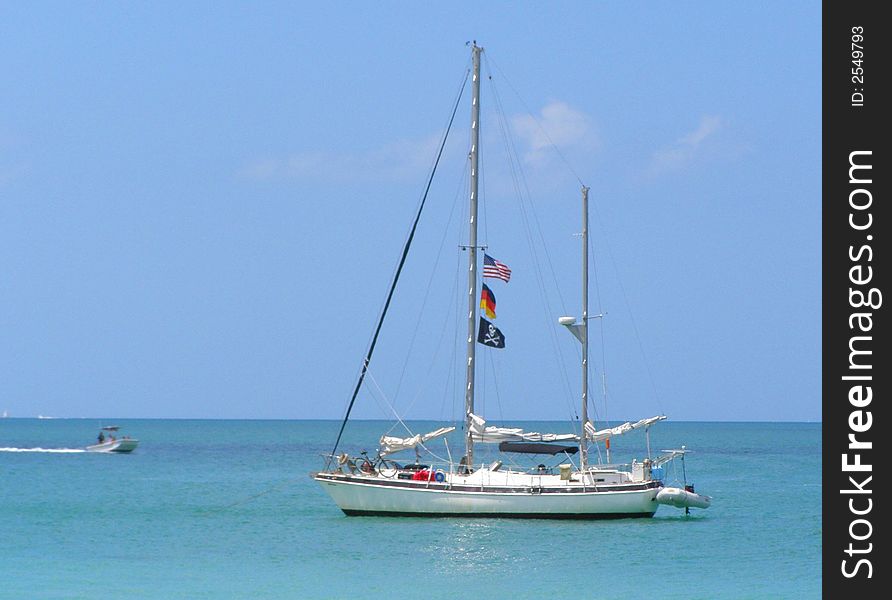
{"points": [[423, 475]]}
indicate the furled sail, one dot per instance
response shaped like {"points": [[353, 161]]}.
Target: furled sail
{"points": [[603, 434], [390, 444], [483, 433]]}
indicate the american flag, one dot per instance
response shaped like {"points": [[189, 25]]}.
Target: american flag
{"points": [[493, 268]]}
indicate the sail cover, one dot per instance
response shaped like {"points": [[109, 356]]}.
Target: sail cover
{"points": [[390, 444], [536, 448], [603, 434], [480, 432]]}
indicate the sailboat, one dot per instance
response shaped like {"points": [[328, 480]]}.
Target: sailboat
{"points": [[377, 485]]}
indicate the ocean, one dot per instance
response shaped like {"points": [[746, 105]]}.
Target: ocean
{"points": [[226, 509]]}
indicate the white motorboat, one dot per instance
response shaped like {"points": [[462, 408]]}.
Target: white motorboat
{"points": [[377, 485], [110, 441]]}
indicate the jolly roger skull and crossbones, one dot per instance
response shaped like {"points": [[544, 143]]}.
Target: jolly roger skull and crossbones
{"points": [[489, 335]]}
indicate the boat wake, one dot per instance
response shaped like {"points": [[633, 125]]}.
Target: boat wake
{"points": [[49, 450]]}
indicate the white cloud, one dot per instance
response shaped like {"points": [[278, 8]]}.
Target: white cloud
{"points": [[261, 169], [557, 125], [686, 147], [709, 124], [395, 161]]}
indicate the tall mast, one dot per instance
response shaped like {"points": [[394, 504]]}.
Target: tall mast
{"points": [[472, 251], [583, 442]]}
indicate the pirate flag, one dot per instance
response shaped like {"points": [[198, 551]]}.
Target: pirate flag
{"points": [[489, 335]]}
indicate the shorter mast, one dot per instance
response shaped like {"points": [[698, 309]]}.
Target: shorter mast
{"points": [[583, 440]]}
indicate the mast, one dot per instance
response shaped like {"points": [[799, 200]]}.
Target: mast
{"points": [[472, 250], [583, 442]]}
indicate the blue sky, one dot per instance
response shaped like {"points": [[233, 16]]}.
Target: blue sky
{"points": [[201, 206]]}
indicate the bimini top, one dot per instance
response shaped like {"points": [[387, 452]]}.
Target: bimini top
{"points": [[536, 448]]}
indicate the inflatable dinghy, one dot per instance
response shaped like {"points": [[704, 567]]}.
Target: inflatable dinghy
{"points": [[680, 498]]}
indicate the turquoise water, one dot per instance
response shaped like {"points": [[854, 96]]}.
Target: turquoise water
{"points": [[225, 509]]}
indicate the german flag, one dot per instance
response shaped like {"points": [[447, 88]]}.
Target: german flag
{"points": [[488, 302]]}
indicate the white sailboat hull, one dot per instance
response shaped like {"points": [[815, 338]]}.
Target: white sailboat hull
{"points": [[371, 496]]}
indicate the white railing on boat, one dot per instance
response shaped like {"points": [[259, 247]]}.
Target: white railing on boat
{"points": [[496, 473]]}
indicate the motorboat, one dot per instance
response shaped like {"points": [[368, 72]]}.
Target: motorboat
{"points": [[109, 440]]}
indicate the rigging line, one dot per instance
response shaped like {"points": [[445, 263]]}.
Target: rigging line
{"points": [[449, 378], [595, 417], [481, 192], [536, 219], [601, 327], [254, 496], [530, 113], [433, 273], [514, 167], [439, 345], [593, 367], [538, 222], [514, 158], [434, 454], [458, 368], [409, 431], [598, 448], [396, 277], [481, 169], [450, 374], [388, 404], [495, 382], [629, 306], [539, 278], [381, 400], [480, 399], [482, 195], [454, 295]]}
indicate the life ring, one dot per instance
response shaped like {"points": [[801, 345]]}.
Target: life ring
{"points": [[440, 477]]}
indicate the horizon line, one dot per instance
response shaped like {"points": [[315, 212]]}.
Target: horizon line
{"points": [[337, 420]]}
